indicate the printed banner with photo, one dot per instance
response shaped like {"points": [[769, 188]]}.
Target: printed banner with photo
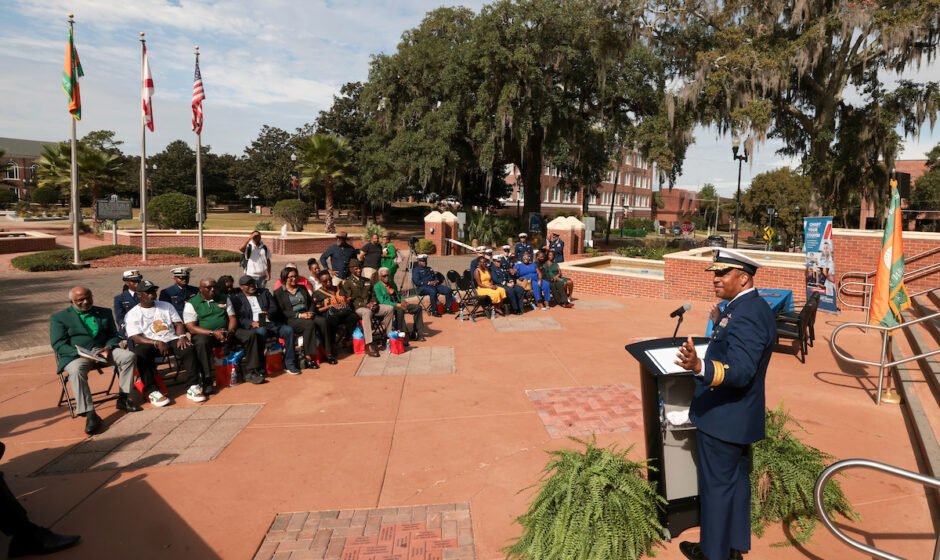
{"points": [[820, 268]]}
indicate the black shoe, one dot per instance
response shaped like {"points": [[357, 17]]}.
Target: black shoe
{"points": [[255, 378], [40, 541], [736, 554], [331, 360], [92, 422], [125, 403], [208, 389], [692, 550], [312, 364]]}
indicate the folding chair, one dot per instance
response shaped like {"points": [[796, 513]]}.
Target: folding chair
{"points": [[799, 329], [793, 317], [472, 302], [66, 398]]}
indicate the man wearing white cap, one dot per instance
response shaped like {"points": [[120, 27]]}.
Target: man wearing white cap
{"points": [[425, 280], [728, 406], [127, 299], [179, 293], [523, 246]]}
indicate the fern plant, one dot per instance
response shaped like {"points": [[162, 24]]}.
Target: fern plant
{"points": [[783, 477], [592, 505]]}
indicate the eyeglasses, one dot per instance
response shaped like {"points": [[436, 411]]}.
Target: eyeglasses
{"points": [[291, 276], [383, 275]]}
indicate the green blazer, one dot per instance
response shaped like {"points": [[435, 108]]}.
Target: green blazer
{"points": [[385, 298], [66, 331]]}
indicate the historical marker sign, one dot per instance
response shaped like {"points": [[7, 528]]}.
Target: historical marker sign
{"points": [[113, 208]]}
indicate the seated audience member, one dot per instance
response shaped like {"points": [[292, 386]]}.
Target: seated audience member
{"points": [[91, 328], [156, 329], [331, 303], [127, 299], [180, 291], [389, 256], [256, 310], [386, 292], [514, 293], [370, 255], [530, 276], [301, 279], [210, 318], [297, 308], [426, 283], [361, 298], [485, 285], [26, 538], [313, 265], [225, 285], [480, 255], [508, 255], [560, 286]]}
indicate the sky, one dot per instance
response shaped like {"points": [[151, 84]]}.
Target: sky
{"points": [[274, 62]]}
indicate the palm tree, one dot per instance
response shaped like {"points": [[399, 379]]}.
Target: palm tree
{"points": [[326, 159], [97, 170]]}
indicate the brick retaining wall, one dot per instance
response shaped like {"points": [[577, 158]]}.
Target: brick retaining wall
{"points": [[32, 242]]}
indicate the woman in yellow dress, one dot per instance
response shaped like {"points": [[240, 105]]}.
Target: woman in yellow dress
{"points": [[484, 282]]}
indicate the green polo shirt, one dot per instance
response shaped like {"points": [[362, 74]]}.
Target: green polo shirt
{"points": [[211, 314], [88, 319]]}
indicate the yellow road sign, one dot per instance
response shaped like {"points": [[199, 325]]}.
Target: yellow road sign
{"points": [[768, 233]]}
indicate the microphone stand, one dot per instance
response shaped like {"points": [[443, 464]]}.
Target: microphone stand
{"points": [[675, 332]]}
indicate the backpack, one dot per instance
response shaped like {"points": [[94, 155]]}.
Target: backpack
{"points": [[247, 255]]}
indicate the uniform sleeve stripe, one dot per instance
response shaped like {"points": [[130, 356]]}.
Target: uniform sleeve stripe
{"points": [[719, 375]]}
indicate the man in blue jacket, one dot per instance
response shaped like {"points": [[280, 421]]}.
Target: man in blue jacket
{"points": [[426, 283], [258, 313], [179, 293], [728, 406], [127, 299]]}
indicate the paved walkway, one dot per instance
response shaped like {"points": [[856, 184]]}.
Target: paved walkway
{"points": [[331, 441]]}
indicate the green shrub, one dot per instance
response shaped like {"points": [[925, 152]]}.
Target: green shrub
{"points": [[85, 227], [783, 479], [374, 229], [632, 233], [172, 211], [294, 212], [487, 229], [592, 505], [21, 207], [45, 195], [7, 197], [425, 246], [645, 224], [264, 225], [652, 253]]}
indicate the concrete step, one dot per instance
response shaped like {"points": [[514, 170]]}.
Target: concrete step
{"points": [[923, 307], [923, 412], [922, 339]]}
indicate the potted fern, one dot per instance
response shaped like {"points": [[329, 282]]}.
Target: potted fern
{"points": [[594, 504], [783, 476]]}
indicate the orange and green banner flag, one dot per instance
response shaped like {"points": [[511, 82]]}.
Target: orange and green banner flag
{"points": [[889, 297], [71, 72]]}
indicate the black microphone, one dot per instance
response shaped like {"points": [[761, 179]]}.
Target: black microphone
{"points": [[678, 312]]}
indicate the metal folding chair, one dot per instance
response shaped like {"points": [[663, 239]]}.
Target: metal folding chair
{"points": [[97, 397]]}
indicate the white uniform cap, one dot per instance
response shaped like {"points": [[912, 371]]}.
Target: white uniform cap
{"points": [[181, 271]]}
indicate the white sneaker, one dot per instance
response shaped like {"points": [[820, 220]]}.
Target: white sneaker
{"points": [[194, 393], [158, 399]]}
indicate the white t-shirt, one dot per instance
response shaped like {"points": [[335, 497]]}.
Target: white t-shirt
{"points": [[255, 307], [155, 323], [190, 316], [257, 260]]}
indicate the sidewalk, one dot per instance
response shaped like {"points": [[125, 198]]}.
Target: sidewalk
{"points": [[335, 442]]}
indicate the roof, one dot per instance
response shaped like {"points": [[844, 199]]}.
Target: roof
{"points": [[18, 147]]}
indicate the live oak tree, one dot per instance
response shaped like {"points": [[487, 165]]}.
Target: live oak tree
{"points": [[265, 168], [785, 68]]}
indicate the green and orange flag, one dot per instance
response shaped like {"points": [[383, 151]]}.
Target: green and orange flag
{"points": [[71, 72], [889, 297]]}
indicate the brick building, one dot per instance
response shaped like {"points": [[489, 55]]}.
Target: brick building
{"points": [[634, 191], [679, 206], [916, 168], [19, 164]]}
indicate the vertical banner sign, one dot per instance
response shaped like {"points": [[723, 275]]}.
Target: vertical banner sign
{"points": [[820, 268]]}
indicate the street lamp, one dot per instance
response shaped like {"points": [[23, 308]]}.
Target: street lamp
{"points": [[293, 174], [735, 145], [149, 185]]}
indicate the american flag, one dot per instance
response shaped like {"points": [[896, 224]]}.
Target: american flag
{"points": [[198, 96], [146, 92]]}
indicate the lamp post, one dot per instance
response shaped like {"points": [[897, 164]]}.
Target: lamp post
{"points": [[251, 198], [149, 183], [294, 181], [735, 146]]}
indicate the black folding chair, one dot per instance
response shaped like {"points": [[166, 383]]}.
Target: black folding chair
{"points": [[798, 330], [472, 303], [794, 316], [97, 397]]}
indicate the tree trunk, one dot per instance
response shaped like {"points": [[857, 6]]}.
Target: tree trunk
{"points": [[364, 213], [531, 174], [329, 226]]}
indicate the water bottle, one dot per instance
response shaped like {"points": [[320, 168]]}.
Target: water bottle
{"points": [[233, 376]]}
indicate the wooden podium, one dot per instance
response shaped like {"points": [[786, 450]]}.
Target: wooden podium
{"points": [[670, 448]]}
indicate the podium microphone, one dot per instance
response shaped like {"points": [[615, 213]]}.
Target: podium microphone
{"points": [[680, 313]]}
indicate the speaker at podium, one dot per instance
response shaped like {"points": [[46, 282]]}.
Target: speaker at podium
{"points": [[666, 391]]}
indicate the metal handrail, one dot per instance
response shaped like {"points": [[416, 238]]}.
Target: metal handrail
{"points": [[866, 275], [884, 347], [865, 292], [866, 463]]}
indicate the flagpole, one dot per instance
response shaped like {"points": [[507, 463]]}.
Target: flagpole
{"points": [[199, 203], [143, 160], [76, 204]]}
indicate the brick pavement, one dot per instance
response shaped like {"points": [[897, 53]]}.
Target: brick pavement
{"points": [[598, 304], [531, 321], [429, 532], [158, 436], [582, 411], [429, 360]]}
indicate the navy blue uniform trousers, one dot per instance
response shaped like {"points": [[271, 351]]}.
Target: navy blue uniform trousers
{"points": [[724, 486]]}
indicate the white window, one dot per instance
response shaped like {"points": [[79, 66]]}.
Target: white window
{"points": [[547, 191], [33, 171], [548, 170], [520, 194], [593, 199], [11, 171], [556, 194]]}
